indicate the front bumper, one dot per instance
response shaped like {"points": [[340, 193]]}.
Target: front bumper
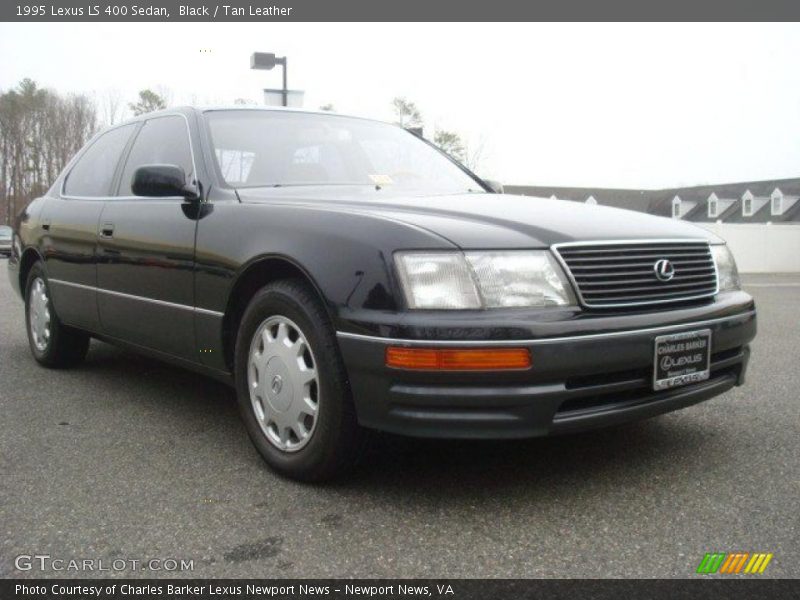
{"points": [[576, 382]]}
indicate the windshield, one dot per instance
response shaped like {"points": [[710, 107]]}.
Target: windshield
{"points": [[273, 148]]}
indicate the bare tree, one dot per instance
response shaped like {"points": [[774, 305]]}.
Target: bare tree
{"points": [[148, 102], [112, 107], [40, 131], [474, 153], [449, 142], [165, 93], [406, 113]]}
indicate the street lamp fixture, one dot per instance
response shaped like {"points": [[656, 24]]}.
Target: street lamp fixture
{"points": [[266, 61]]}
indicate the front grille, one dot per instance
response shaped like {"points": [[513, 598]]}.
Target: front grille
{"points": [[613, 274]]}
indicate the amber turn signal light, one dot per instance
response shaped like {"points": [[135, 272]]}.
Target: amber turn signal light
{"points": [[458, 359]]}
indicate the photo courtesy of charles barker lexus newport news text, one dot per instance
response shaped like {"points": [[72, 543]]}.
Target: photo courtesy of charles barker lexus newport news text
{"points": [[345, 299]]}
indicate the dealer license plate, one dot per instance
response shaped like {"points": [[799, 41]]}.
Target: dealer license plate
{"points": [[682, 358]]}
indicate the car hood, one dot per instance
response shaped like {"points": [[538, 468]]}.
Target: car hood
{"points": [[487, 220]]}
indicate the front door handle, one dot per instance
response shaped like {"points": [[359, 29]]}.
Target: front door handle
{"points": [[107, 230], [46, 225]]}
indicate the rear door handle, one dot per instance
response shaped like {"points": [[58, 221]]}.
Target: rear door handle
{"points": [[46, 225], [107, 230]]}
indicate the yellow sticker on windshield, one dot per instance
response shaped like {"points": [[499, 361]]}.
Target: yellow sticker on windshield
{"points": [[381, 179]]}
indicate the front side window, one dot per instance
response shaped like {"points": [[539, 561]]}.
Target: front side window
{"points": [[92, 174], [274, 149], [161, 141]]}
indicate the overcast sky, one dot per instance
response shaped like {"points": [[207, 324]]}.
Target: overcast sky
{"points": [[630, 105]]}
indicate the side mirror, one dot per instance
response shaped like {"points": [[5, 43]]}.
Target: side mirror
{"points": [[495, 186], [159, 181]]}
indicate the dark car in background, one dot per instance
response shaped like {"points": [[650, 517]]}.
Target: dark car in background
{"points": [[345, 275], [5, 240]]}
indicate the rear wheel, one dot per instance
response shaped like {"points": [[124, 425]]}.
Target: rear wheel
{"points": [[291, 384], [52, 343]]}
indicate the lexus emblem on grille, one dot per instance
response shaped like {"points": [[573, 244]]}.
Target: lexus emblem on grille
{"points": [[664, 270]]}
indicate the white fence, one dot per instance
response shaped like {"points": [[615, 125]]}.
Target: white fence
{"points": [[761, 248]]}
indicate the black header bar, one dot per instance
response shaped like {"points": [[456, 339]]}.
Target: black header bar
{"points": [[33, 11]]}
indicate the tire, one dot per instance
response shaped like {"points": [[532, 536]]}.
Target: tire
{"points": [[53, 344], [291, 385]]}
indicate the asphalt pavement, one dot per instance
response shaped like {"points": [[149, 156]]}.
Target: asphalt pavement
{"points": [[126, 459]]}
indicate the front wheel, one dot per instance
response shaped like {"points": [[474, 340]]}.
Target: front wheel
{"points": [[291, 384], [52, 343]]}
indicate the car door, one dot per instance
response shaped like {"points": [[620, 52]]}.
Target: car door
{"points": [[145, 272], [69, 227]]}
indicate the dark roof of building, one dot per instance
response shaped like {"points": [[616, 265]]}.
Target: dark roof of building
{"points": [[791, 215], [762, 208], [700, 212], [764, 214], [659, 202], [620, 198]]}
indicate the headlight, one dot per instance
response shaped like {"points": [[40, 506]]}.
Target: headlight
{"points": [[726, 268], [437, 280], [475, 280]]}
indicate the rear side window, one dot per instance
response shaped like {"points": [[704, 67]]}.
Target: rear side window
{"points": [[92, 174], [162, 141]]}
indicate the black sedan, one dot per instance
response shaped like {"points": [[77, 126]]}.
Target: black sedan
{"points": [[343, 274]]}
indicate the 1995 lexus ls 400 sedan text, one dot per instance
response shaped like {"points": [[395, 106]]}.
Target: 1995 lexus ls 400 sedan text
{"points": [[344, 274]]}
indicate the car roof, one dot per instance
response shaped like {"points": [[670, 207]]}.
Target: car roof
{"points": [[187, 109]]}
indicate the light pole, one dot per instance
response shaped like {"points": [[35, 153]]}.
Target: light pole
{"points": [[266, 61]]}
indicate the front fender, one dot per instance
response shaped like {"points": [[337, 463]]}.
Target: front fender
{"points": [[347, 255]]}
